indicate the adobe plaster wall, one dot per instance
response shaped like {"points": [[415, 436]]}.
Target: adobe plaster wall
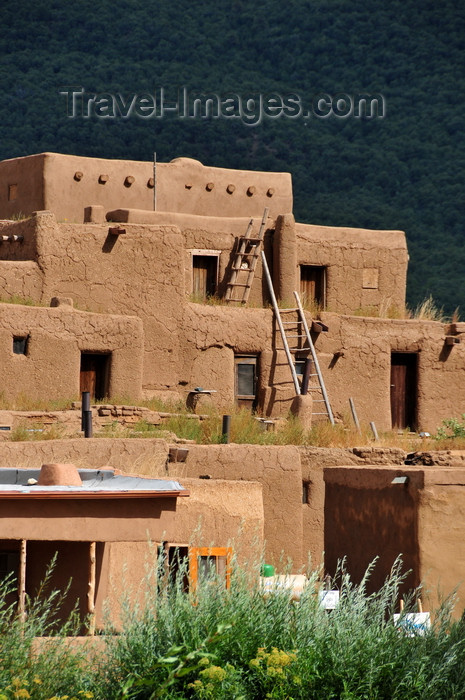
{"points": [[366, 516], [217, 513], [27, 174], [278, 470], [363, 372], [441, 534], [79, 520], [347, 253], [139, 273], [56, 337], [66, 184]]}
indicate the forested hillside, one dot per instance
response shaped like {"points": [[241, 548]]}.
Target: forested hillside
{"points": [[404, 171]]}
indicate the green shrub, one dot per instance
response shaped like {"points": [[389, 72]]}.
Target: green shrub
{"points": [[451, 428]]}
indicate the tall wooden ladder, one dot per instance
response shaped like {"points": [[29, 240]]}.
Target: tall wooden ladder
{"points": [[245, 262], [298, 332]]}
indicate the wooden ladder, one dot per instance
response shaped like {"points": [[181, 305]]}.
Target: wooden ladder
{"points": [[298, 332], [245, 262]]}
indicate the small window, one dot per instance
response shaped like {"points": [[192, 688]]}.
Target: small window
{"points": [[313, 285], [204, 276], [12, 192], [20, 344], [187, 566], [209, 564], [306, 492], [246, 380]]}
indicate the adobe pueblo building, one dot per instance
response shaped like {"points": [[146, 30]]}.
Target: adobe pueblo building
{"points": [[133, 257]]}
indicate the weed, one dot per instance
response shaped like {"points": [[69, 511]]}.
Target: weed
{"points": [[36, 431], [451, 429]]}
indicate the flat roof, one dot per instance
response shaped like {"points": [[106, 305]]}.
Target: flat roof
{"points": [[96, 483]]}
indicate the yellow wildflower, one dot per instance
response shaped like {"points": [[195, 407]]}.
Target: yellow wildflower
{"points": [[214, 673]]}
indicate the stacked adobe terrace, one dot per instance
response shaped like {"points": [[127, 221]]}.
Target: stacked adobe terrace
{"points": [[121, 261], [131, 254]]}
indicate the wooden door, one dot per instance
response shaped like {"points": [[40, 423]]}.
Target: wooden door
{"points": [[404, 390], [95, 374], [313, 284], [204, 275]]}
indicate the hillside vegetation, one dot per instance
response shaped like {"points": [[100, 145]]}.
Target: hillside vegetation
{"points": [[404, 171]]}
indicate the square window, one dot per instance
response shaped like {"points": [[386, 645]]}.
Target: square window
{"points": [[20, 344]]}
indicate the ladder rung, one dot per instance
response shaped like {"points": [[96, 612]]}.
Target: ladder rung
{"points": [[287, 311], [239, 284]]}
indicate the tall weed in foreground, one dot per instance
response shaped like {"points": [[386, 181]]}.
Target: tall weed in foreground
{"points": [[39, 671], [239, 643]]}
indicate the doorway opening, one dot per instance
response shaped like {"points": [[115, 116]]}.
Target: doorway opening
{"points": [[204, 275], [313, 285], [404, 390], [95, 374]]}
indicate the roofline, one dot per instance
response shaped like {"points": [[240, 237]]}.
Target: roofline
{"points": [[82, 495]]}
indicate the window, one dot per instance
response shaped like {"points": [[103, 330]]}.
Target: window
{"points": [[204, 274], [306, 492], [12, 192], [20, 344], [246, 380], [194, 565], [313, 285], [209, 563]]}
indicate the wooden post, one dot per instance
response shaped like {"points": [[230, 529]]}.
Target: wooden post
{"points": [[354, 414], [22, 582], [373, 428], [91, 589]]}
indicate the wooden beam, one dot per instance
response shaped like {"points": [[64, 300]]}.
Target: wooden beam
{"points": [[91, 589]]}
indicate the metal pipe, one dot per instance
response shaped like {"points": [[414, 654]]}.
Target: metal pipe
{"points": [[87, 424], [85, 406], [226, 429]]}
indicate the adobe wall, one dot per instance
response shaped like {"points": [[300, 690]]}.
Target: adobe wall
{"points": [[208, 235], [139, 273], [67, 184], [278, 470], [363, 268], [363, 371], [441, 533], [22, 185], [56, 338], [80, 520], [366, 515]]}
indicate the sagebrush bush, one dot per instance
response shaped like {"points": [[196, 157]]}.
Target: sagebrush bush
{"points": [[238, 643]]}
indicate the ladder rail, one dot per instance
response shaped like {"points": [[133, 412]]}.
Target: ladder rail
{"points": [[251, 255], [280, 324], [314, 358]]}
